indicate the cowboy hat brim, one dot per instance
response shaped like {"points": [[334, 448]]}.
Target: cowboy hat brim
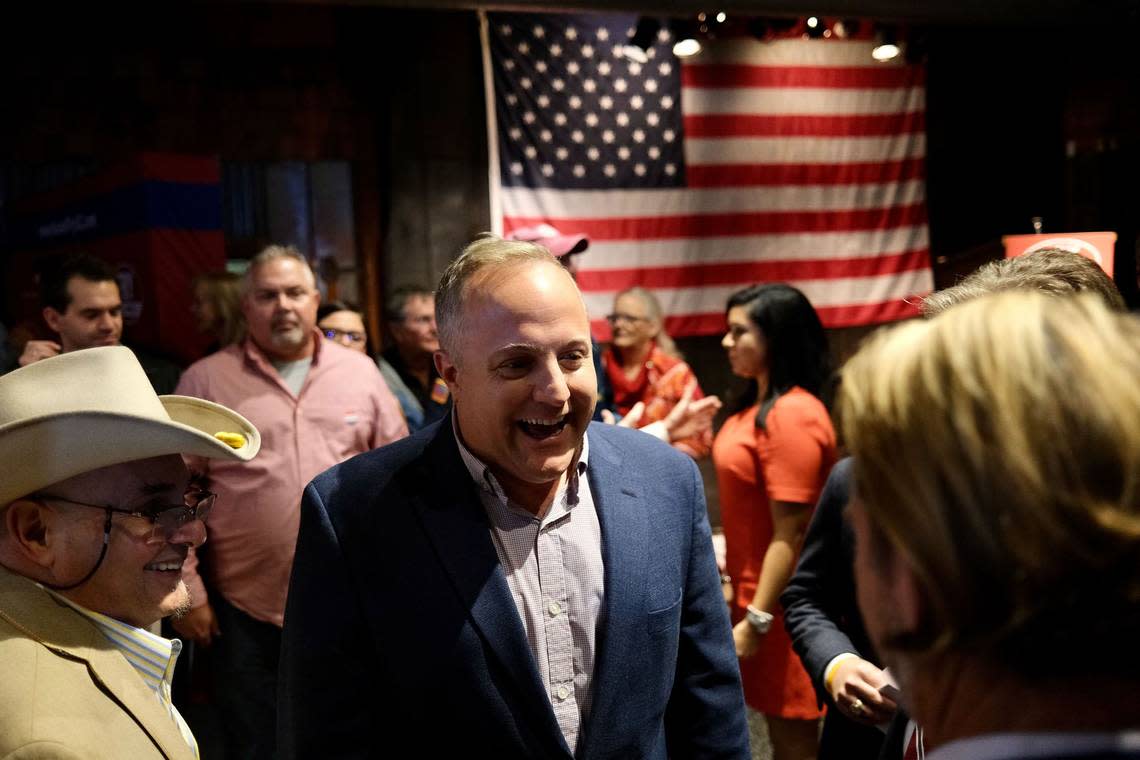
{"points": [[46, 449]]}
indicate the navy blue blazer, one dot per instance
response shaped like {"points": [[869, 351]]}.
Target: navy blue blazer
{"points": [[823, 620], [401, 631]]}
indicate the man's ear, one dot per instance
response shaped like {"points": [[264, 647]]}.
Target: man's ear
{"points": [[890, 594], [28, 528], [907, 591], [446, 369], [53, 318]]}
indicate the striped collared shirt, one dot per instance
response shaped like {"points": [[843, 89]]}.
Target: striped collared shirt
{"points": [[153, 658], [554, 570]]}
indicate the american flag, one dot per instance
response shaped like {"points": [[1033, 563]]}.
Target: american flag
{"points": [[792, 160]]}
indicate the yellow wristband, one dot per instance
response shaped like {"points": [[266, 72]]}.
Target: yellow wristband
{"points": [[832, 666]]}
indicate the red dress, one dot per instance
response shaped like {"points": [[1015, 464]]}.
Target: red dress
{"points": [[789, 462]]}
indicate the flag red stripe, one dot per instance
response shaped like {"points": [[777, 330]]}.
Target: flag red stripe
{"points": [[745, 175], [727, 75], [730, 225], [712, 323], [697, 275], [804, 125]]}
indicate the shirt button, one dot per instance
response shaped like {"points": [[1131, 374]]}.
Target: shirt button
{"points": [[562, 693], [555, 609]]}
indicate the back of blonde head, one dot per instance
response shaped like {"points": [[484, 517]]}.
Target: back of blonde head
{"points": [[997, 448]]}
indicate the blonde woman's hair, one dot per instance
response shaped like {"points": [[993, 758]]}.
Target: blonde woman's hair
{"points": [[487, 256], [657, 315], [223, 290], [997, 450]]}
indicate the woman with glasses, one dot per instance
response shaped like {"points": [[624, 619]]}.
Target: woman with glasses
{"points": [[343, 324], [772, 456], [644, 366]]}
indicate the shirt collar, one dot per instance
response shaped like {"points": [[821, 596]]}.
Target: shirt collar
{"points": [[153, 657], [486, 480]]}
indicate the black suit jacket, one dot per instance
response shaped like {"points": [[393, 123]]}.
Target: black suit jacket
{"points": [[822, 615]]}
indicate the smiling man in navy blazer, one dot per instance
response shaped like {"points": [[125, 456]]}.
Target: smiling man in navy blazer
{"points": [[503, 583]]}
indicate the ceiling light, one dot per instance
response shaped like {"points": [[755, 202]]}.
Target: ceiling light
{"points": [[721, 17], [886, 47], [686, 47], [846, 27], [685, 32], [812, 22], [885, 52]]}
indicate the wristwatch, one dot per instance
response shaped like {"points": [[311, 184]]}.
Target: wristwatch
{"points": [[759, 619]]}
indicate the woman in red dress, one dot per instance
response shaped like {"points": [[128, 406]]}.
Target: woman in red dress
{"points": [[772, 457]]}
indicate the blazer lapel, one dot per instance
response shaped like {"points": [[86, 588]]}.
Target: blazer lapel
{"points": [[450, 511], [111, 671], [65, 632], [625, 554]]}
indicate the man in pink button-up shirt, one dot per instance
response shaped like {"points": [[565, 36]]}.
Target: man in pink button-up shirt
{"points": [[316, 404]]}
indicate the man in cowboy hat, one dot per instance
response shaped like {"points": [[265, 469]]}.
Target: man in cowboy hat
{"points": [[97, 513]]}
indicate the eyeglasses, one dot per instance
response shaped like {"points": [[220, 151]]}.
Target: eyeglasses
{"points": [[352, 335], [165, 519], [613, 319]]}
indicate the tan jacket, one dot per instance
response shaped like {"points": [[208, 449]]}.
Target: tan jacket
{"points": [[67, 692]]}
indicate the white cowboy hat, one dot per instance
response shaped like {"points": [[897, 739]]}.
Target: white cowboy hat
{"points": [[95, 408]]}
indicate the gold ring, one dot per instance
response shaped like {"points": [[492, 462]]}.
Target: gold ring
{"points": [[857, 707]]}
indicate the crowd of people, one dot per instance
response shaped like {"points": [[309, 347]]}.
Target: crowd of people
{"points": [[496, 525]]}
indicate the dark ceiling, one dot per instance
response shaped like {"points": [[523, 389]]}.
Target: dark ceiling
{"points": [[972, 12]]}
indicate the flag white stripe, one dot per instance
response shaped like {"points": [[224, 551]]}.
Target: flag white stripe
{"points": [[791, 101], [822, 293], [793, 52], [611, 204], [796, 150], [777, 247]]}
